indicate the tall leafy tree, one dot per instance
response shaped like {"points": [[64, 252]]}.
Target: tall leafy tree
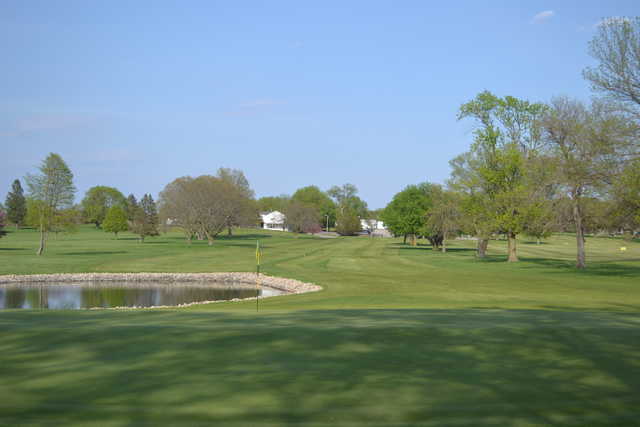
{"points": [[348, 221], [443, 219], [350, 208], [273, 203], [237, 178], [205, 205], [589, 144], [476, 205], [16, 204], [302, 218], [319, 200], [242, 210], [507, 139], [406, 214], [98, 200], [145, 220], [131, 207], [115, 221], [52, 188], [346, 197], [626, 197]]}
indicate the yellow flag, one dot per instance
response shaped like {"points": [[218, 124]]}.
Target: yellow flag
{"points": [[258, 252]]}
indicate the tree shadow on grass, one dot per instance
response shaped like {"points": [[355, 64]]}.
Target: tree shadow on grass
{"points": [[414, 248], [427, 247], [351, 367], [253, 236], [594, 268], [94, 253], [13, 249]]}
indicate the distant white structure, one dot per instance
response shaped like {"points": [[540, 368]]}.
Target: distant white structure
{"points": [[371, 225], [374, 228], [274, 221]]}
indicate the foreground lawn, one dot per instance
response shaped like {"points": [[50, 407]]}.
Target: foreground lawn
{"points": [[398, 336]]}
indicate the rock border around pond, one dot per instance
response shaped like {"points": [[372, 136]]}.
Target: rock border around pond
{"points": [[290, 286]]}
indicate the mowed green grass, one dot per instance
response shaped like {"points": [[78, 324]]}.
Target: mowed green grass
{"points": [[398, 336]]}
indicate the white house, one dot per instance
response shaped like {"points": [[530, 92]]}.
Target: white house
{"points": [[274, 221], [371, 225], [374, 227]]}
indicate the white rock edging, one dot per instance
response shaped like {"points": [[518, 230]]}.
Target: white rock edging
{"points": [[290, 286]]}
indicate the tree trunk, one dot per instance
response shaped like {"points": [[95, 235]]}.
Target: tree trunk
{"points": [[229, 231], [538, 240], [513, 256], [414, 241], [482, 248], [116, 233], [404, 242], [43, 238], [444, 246], [577, 218]]}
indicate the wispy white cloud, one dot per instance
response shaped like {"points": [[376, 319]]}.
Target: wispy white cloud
{"points": [[612, 20], [38, 123], [542, 16]]}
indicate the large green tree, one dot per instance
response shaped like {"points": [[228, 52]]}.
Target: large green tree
{"points": [[350, 208], [443, 219], [319, 200], [406, 214], [204, 206], [242, 209], [16, 204], [476, 205], [145, 219], [590, 144], [273, 203], [346, 198], [302, 217], [507, 140], [52, 188], [98, 200], [626, 196], [115, 221], [131, 207]]}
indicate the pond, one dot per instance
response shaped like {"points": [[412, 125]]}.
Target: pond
{"points": [[86, 295]]}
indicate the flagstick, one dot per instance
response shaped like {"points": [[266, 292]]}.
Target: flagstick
{"points": [[257, 272]]}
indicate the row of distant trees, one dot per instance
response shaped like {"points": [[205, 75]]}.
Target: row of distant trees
{"points": [[534, 168], [310, 209], [203, 207], [207, 205], [48, 205]]}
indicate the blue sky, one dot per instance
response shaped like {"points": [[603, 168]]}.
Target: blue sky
{"points": [[135, 94]]}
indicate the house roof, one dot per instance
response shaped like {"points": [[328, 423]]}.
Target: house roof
{"points": [[274, 217]]}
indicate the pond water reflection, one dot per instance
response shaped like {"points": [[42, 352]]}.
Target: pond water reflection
{"points": [[148, 294]]}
